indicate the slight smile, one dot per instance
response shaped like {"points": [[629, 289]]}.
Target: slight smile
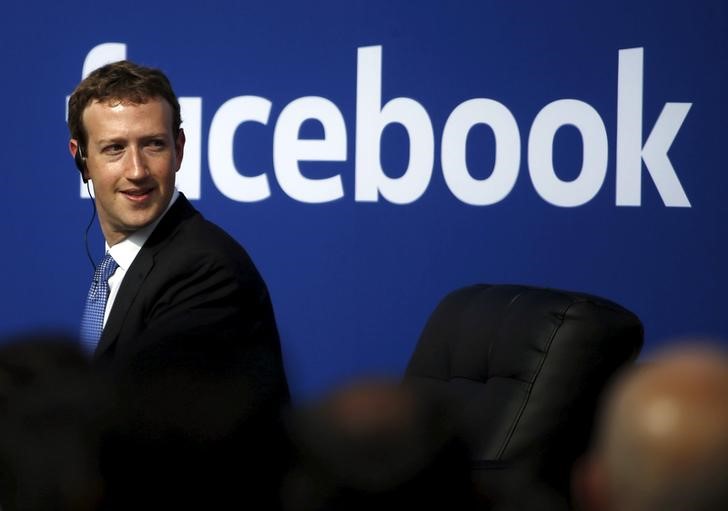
{"points": [[138, 195]]}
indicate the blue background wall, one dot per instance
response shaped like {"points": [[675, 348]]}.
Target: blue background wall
{"points": [[353, 282]]}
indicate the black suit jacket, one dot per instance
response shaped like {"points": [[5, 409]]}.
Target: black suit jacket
{"points": [[192, 294], [192, 340]]}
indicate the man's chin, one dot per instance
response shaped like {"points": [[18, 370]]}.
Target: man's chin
{"points": [[134, 223]]}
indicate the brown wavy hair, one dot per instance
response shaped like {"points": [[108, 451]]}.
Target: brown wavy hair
{"points": [[122, 81]]}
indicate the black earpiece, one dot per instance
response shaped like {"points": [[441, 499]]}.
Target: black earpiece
{"points": [[80, 160]]}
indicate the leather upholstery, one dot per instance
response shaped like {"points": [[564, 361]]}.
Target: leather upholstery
{"points": [[523, 368]]}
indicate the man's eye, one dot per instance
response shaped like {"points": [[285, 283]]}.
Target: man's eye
{"points": [[113, 149], [157, 144]]}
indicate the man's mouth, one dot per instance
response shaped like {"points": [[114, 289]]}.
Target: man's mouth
{"points": [[137, 194]]}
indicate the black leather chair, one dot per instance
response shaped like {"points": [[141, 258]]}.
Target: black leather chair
{"points": [[523, 368]]}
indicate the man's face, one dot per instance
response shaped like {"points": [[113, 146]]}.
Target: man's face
{"points": [[131, 158]]}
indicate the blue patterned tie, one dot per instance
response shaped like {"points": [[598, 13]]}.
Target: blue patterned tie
{"points": [[92, 322]]}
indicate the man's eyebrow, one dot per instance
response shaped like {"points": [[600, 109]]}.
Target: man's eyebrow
{"points": [[112, 140], [121, 139]]}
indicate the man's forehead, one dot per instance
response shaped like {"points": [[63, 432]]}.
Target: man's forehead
{"points": [[115, 102], [110, 111]]}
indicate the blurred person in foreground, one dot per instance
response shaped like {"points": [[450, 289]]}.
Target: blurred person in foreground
{"points": [[662, 439], [54, 411], [376, 444]]}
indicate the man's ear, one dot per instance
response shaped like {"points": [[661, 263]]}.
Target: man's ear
{"points": [[179, 146], [79, 158]]}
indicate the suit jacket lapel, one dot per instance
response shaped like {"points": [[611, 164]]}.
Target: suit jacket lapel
{"points": [[140, 268]]}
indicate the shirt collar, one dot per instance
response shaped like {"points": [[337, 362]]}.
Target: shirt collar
{"points": [[125, 251]]}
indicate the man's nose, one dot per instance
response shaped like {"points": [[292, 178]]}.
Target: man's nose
{"points": [[137, 167]]}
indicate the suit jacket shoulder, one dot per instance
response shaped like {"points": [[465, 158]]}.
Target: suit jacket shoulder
{"points": [[192, 291]]}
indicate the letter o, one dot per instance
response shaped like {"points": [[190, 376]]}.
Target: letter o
{"points": [[595, 153]]}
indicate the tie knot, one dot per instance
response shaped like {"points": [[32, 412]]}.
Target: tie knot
{"points": [[107, 267]]}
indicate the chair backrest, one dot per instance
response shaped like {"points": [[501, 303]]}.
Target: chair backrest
{"points": [[524, 368]]}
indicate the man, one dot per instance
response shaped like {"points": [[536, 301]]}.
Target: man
{"points": [[188, 326], [662, 442]]}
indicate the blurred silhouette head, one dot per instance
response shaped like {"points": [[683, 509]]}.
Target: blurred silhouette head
{"points": [[53, 411], [662, 435], [376, 444]]}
